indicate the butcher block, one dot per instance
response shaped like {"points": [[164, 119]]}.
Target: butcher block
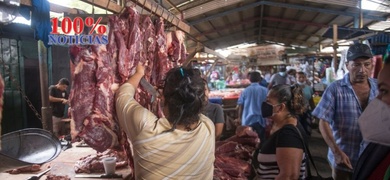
{"points": [[64, 165]]}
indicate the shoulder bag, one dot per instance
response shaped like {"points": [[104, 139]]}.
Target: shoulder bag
{"points": [[310, 159]]}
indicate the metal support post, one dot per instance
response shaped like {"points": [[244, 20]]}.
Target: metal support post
{"points": [[47, 123]]}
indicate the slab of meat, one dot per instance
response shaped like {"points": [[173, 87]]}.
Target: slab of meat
{"points": [[251, 141], [161, 63], [27, 169], [233, 155], [235, 168], [134, 42], [97, 134], [149, 46], [82, 94], [227, 146], [176, 48], [112, 47], [245, 131]]}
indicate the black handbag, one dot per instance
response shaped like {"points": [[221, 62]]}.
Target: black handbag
{"points": [[310, 160]]}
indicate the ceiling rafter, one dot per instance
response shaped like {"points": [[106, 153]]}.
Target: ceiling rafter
{"points": [[293, 6], [249, 20]]}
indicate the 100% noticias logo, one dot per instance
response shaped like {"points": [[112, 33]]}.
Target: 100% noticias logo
{"points": [[77, 25]]}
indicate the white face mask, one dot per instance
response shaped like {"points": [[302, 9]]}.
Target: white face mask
{"points": [[374, 122], [301, 83], [282, 73]]}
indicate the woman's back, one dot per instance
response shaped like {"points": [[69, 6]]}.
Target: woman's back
{"points": [[175, 155]]}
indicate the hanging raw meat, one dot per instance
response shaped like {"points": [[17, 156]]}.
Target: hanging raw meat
{"points": [[98, 70], [161, 63], [176, 49], [82, 94], [149, 45], [134, 42]]}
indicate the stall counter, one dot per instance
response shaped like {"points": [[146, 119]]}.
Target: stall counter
{"points": [[64, 165]]}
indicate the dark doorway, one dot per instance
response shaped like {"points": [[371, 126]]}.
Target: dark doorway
{"points": [[33, 91]]}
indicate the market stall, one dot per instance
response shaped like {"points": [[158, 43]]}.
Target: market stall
{"points": [[64, 166]]}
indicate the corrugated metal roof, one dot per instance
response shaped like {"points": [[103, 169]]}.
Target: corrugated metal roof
{"points": [[223, 23]]}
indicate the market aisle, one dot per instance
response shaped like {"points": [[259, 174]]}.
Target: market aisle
{"points": [[319, 150]]}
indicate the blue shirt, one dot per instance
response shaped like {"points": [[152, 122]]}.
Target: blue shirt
{"points": [[307, 92], [251, 98], [340, 107]]}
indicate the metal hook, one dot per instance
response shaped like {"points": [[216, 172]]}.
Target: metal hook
{"points": [[150, 10], [173, 17], [169, 15], [108, 3], [155, 11]]}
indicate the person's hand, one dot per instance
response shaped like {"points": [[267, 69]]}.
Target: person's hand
{"points": [[65, 101], [140, 69], [237, 122], [342, 159]]}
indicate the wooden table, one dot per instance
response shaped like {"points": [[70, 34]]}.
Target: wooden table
{"points": [[64, 165]]}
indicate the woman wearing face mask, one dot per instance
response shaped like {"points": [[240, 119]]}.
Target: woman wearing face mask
{"points": [[374, 162], [282, 154], [279, 78]]}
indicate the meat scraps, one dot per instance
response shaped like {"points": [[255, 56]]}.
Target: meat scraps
{"points": [[233, 155], [57, 177], [27, 169], [93, 163]]}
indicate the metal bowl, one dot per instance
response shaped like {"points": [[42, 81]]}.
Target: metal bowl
{"points": [[27, 147]]}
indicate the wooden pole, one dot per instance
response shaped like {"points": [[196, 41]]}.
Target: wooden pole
{"points": [[335, 46], [47, 123]]}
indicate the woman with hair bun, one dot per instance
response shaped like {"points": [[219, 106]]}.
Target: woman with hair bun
{"points": [[178, 146], [282, 155]]}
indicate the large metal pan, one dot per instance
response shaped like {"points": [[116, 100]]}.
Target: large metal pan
{"points": [[27, 147]]}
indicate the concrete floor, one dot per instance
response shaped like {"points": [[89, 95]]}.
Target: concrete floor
{"points": [[319, 149]]}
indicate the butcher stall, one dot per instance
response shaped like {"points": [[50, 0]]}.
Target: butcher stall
{"points": [[137, 32], [77, 162], [227, 98]]}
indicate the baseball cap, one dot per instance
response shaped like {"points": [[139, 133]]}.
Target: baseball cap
{"points": [[358, 50]]}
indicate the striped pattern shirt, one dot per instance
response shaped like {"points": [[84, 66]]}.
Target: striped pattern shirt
{"points": [[340, 107], [265, 163], [157, 155]]}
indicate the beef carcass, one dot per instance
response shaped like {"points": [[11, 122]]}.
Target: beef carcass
{"points": [[176, 48], [112, 47], [134, 42], [82, 94], [161, 63], [149, 46]]}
